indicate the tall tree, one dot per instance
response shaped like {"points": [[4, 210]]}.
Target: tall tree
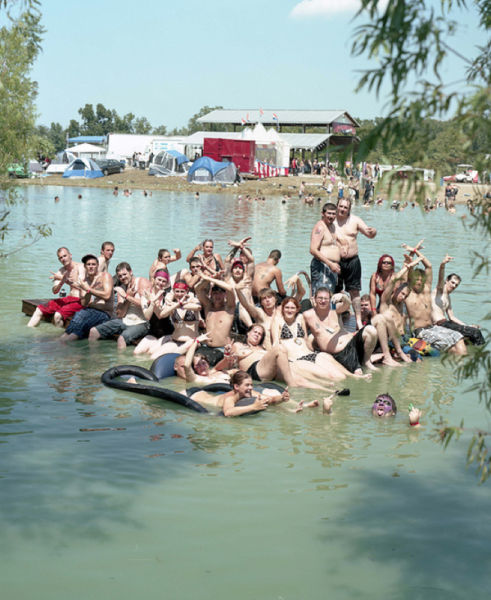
{"points": [[20, 43]]}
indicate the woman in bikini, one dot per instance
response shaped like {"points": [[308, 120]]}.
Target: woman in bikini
{"points": [[380, 279], [182, 308], [289, 330]]}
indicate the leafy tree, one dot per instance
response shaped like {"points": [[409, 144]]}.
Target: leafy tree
{"points": [[142, 126], [20, 43], [410, 39], [160, 130]]}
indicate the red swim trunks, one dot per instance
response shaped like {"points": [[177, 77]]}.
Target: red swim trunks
{"points": [[66, 306]]}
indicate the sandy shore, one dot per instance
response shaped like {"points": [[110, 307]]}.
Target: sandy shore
{"points": [[278, 186]]}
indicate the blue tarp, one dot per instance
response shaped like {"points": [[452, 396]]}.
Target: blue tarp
{"points": [[89, 139], [181, 158], [205, 162]]}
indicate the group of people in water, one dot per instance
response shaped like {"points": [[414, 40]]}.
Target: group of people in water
{"points": [[232, 320]]}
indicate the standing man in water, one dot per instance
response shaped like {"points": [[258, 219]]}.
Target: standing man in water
{"points": [[107, 251], [324, 267], [348, 227], [267, 272]]}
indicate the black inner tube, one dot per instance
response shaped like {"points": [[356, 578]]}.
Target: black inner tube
{"points": [[109, 378]]}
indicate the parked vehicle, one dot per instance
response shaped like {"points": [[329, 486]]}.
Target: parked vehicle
{"points": [[16, 170], [109, 165]]}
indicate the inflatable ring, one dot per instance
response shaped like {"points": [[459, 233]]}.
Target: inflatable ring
{"points": [[163, 366], [109, 378]]}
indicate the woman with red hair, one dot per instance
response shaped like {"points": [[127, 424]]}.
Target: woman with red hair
{"points": [[380, 279]]}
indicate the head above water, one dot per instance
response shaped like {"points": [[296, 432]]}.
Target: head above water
{"points": [[384, 406]]}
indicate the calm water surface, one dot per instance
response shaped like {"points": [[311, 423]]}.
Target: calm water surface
{"points": [[104, 494]]}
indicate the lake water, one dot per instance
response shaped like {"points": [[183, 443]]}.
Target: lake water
{"points": [[164, 502]]}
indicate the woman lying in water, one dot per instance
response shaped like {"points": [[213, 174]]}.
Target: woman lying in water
{"points": [[289, 331], [267, 365], [242, 399]]}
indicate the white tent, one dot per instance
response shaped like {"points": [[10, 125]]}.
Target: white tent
{"points": [[87, 151]]}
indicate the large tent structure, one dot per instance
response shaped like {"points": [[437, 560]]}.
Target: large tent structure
{"points": [[207, 170], [83, 167], [169, 162]]}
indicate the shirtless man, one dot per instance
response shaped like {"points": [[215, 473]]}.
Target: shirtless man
{"points": [[107, 251], [61, 308], [324, 267], [348, 227], [326, 325], [441, 306], [267, 272], [97, 298], [386, 331], [419, 305], [219, 311], [131, 323]]}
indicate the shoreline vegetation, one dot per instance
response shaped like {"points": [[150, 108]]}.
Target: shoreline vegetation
{"points": [[135, 179]]}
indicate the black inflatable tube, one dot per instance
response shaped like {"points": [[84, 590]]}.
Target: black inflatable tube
{"points": [[109, 378]]}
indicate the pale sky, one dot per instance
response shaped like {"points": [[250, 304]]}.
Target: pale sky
{"points": [[164, 59]]}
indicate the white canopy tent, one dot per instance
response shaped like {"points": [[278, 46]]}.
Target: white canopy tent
{"points": [[87, 151]]}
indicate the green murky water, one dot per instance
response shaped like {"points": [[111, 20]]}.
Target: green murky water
{"points": [[168, 503]]}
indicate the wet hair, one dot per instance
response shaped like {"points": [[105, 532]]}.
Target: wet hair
{"points": [[162, 251], [348, 200], [105, 245], [381, 260], [449, 277], [275, 254], [261, 327], [328, 206], [194, 260], [239, 377], [123, 265], [322, 288], [208, 240], [399, 289], [62, 248], [266, 293], [415, 274], [290, 299], [390, 399]]}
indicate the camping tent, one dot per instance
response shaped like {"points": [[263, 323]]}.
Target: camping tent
{"points": [[169, 162], [35, 167], [87, 151], [207, 170], [83, 167], [61, 162]]}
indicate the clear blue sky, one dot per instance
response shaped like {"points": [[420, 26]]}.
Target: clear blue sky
{"points": [[165, 59]]}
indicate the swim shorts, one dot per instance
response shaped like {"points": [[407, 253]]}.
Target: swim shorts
{"points": [[84, 320], [351, 356], [442, 338], [322, 276], [473, 334], [350, 276], [66, 306]]}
